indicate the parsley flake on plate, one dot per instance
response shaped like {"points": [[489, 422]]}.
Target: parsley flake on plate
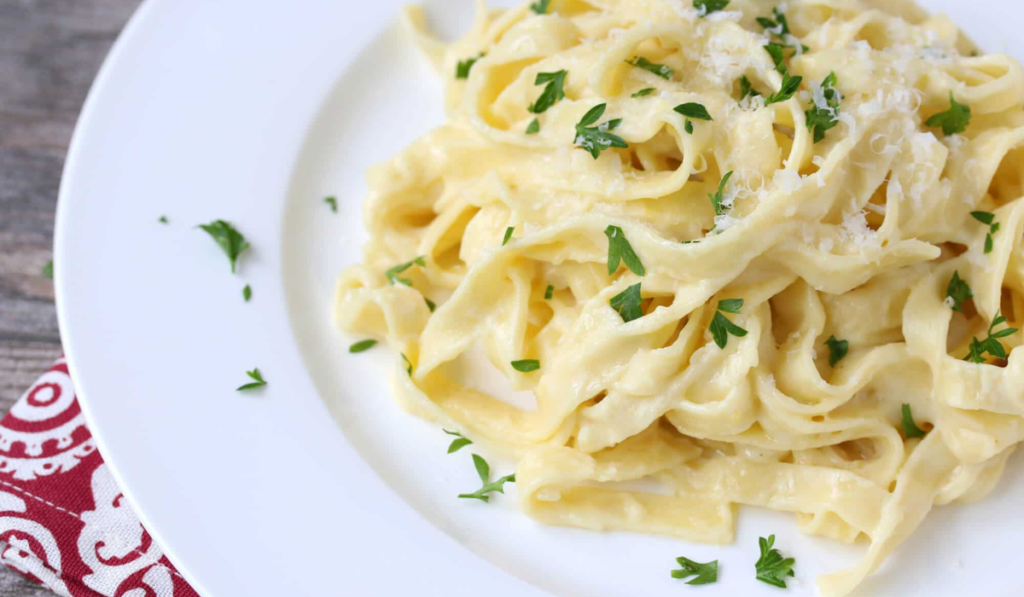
{"points": [[703, 574], [230, 240], [771, 567], [247, 293], [258, 381], [458, 443], [526, 365], [484, 471], [643, 92], [362, 346]]}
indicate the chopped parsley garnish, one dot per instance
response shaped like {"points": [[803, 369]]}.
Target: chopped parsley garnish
{"points": [[822, 118], [533, 128], [619, 249], [554, 90], [258, 381], [771, 567], [643, 92], [693, 110], [333, 202], [526, 365], [458, 443], [392, 274], [954, 120], [721, 327], [910, 429], [48, 269], [549, 292], [408, 364], [484, 470], [627, 303], [663, 71], [596, 139], [704, 573], [430, 304], [362, 346], [508, 235], [463, 67], [707, 7], [540, 6], [247, 293], [716, 198], [230, 240], [163, 219], [987, 218], [957, 292], [837, 349], [779, 27], [990, 345], [790, 84], [746, 88]]}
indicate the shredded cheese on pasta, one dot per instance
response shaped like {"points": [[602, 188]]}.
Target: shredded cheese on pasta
{"points": [[853, 238]]}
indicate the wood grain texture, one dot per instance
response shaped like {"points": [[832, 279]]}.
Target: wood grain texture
{"points": [[50, 51]]}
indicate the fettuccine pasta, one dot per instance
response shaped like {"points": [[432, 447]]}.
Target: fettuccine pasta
{"points": [[803, 298]]}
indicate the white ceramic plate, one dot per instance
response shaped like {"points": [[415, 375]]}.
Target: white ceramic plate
{"points": [[253, 111]]}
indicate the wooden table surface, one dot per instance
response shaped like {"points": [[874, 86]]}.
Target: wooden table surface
{"points": [[50, 51]]}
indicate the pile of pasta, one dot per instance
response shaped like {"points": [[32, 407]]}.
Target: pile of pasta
{"points": [[853, 238]]}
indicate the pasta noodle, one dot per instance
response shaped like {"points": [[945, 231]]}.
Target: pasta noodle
{"points": [[845, 251]]}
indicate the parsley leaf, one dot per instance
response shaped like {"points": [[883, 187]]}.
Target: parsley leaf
{"points": [[837, 349], [540, 7], [48, 269], [707, 7], [596, 139], [771, 567], [790, 85], [779, 28], [627, 303], [162, 219], [230, 240], [910, 430], [957, 292], [333, 202], [430, 304], [362, 346], [392, 274], [463, 67], [688, 127], [705, 573], [991, 345], [746, 88], [693, 110], [508, 235], [549, 292], [663, 71], [721, 327], [553, 91], [777, 53], [533, 128], [526, 365], [822, 118], [643, 92], [620, 249], [258, 383], [484, 470], [408, 364], [716, 199], [457, 444], [247, 293], [954, 120], [986, 217]]}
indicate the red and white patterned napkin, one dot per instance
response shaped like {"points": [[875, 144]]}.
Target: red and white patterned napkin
{"points": [[66, 523]]}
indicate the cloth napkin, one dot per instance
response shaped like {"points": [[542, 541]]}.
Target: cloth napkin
{"points": [[65, 523]]}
